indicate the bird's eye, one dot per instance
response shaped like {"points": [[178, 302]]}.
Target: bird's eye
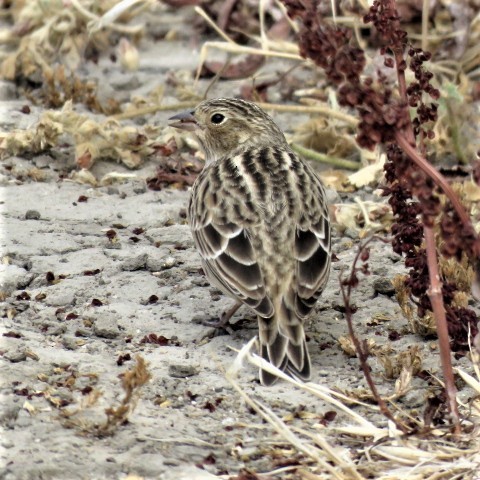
{"points": [[217, 118]]}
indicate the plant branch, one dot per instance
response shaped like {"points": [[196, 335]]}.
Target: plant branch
{"points": [[436, 299], [346, 289], [434, 174], [406, 140], [325, 159]]}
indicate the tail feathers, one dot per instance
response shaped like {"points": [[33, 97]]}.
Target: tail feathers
{"points": [[267, 378], [286, 353], [299, 364]]}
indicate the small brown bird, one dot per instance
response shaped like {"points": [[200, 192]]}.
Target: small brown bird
{"points": [[260, 221]]}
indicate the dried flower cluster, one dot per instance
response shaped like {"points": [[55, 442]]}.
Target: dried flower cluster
{"points": [[330, 47], [384, 116]]}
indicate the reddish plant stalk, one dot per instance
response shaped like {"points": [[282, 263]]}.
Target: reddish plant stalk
{"points": [[406, 140], [346, 286], [433, 173], [436, 299]]}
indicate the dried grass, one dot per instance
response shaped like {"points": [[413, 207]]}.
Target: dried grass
{"points": [[132, 382], [369, 446], [48, 32], [93, 140], [269, 48]]}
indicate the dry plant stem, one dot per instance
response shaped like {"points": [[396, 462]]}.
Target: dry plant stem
{"points": [[425, 15], [361, 353], [433, 173], [436, 299], [406, 140], [325, 159], [156, 108], [318, 109], [235, 48]]}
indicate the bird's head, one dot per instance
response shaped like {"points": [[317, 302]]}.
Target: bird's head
{"points": [[225, 125]]}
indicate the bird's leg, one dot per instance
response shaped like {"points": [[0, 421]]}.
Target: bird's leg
{"points": [[224, 317]]}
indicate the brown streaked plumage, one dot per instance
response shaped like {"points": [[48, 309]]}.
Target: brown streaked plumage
{"points": [[260, 221]]}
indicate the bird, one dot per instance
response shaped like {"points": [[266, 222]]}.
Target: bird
{"points": [[259, 219]]}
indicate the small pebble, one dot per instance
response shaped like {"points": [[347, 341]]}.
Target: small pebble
{"points": [[350, 233], [82, 332], [332, 196], [112, 245], [16, 356], [200, 282], [69, 342], [7, 443], [182, 371], [43, 161], [169, 262], [135, 263], [24, 420], [383, 285], [106, 327], [32, 215], [56, 329], [139, 189], [20, 306], [9, 414], [61, 298]]}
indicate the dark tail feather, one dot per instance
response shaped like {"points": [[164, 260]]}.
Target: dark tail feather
{"points": [[267, 378], [294, 359], [275, 353], [282, 343], [299, 361]]}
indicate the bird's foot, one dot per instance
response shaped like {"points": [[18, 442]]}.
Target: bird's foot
{"points": [[224, 319]]}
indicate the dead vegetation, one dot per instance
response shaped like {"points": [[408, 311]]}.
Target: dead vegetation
{"points": [[41, 55], [367, 448], [132, 382]]}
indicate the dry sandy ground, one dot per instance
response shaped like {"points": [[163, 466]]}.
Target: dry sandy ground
{"points": [[64, 337], [203, 416]]}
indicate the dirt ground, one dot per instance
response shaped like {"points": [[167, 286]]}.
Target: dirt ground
{"points": [[78, 305]]}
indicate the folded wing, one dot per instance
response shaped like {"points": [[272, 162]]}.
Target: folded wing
{"points": [[229, 257]]}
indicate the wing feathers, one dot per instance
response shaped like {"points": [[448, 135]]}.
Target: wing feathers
{"points": [[312, 249], [246, 278], [306, 242], [266, 377], [263, 307], [212, 242], [241, 249], [228, 230], [312, 270], [302, 366], [230, 263]]}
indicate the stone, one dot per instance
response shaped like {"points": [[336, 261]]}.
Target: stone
{"points": [[16, 355], [69, 342], [135, 263], [32, 215], [182, 371], [106, 326], [384, 286]]}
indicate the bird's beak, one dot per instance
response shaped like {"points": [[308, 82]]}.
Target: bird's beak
{"points": [[184, 121]]}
